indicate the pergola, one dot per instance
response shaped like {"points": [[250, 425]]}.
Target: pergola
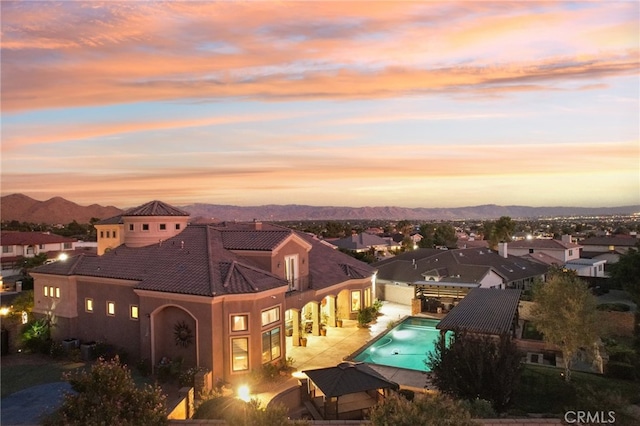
{"points": [[346, 391], [484, 311]]}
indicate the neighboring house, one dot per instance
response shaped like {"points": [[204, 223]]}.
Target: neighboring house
{"points": [[564, 251], [608, 248], [587, 267], [217, 296], [449, 274], [362, 242], [16, 246]]}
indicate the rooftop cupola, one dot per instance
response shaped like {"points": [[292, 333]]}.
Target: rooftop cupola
{"points": [[152, 223]]}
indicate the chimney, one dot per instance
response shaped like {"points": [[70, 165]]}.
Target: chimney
{"points": [[502, 250], [566, 239], [257, 225]]}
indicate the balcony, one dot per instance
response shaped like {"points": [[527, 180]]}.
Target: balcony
{"points": [[299, 285]]}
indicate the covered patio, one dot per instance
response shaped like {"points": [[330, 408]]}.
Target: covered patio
{"points": [[440, 296], [485, 311]]}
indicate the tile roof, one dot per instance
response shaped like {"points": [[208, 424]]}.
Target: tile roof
{"points": [[18, 238], [254, 240], [348, 377], [483, 310], [466, 265], [360, 241], [627, 241], [115, 220], [196, 261], [542, 243], [155, 208]]}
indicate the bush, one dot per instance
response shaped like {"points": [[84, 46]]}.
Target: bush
{"points": [[433, 410], [36, 336], [187, 377], [365, 316], [620, 370], [615, 307], [407, 393], [144, 367], [57, 351], [108, 395], [480, 408]]}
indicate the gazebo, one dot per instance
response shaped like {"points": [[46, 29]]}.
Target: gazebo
{"points": [[346, 391]]}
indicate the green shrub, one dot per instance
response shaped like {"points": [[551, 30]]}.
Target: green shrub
{"points": [[620, 370], [36, 336], [407, 393], [365, 316], [57, 351], [615, 307], [480, 408]]}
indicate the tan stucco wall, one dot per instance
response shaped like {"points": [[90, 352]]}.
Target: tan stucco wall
{"points": [[401, 294], [140, 238], [112, 242]]}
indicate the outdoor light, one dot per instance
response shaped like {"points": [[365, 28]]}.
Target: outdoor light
{"points": [[243, 393], [63, 256], [4, 311]]}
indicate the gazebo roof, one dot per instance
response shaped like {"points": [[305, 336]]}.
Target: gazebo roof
{"points": [[348, 377], [484, 310]]}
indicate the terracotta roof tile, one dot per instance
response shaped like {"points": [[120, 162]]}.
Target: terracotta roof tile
{"points": [[155, 208], [253, 240], [18, 238]]}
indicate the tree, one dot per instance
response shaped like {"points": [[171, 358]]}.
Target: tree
{"points": [[404, 227], [474, 366], [445, 235], [433, 410], [107, 395], [626, 273], [501, 231], [565, 313]]}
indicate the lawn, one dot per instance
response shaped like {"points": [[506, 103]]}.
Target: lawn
{"points": [[19, 376], [543, 390]]}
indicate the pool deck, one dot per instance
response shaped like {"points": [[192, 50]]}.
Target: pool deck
{"points": [[332, 349]]}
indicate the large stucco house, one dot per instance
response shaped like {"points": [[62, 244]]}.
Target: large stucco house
{"points": [[221, 296]]}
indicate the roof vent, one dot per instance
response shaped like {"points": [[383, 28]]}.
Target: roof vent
{"points": [[181, 244]]}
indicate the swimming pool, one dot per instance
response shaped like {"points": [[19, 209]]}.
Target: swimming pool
{"points": [[404, 346]]}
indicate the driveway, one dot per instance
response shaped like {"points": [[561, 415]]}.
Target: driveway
{"points": [[27, 406]]}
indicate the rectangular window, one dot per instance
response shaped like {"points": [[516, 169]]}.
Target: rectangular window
{"points": [[111, 308], [271, 345], [530, 250], [239, 322], [270, 316], [291, 272], [108, 234], [58, 292], [240, 354], [131, 227], [133, 312], [570, 252], [88, 305], [67, 246], [30, 250], [145, 226], [177, 226], [163, 226], [367, 297], [7, 249], [101, 234], [41, 246], [114, 234], [46, 291], [355, 301]]}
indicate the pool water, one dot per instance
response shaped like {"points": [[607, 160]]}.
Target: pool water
{"points": [[404, 346]]}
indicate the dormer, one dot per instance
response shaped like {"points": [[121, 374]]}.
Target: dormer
{"points": [[151, 223], [278, 250]]}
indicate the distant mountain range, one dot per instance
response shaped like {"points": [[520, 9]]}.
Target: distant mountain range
{"points": [[58, 210]]}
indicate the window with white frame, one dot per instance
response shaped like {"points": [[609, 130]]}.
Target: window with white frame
{"points": [[67, 246], [111, 308], [270, 316], [355, 301], [271, 345], [145, 226], [7, 249], [163, 226], [131, 227], [177, 226], [239, 353], [41, 246], [239, 322]]}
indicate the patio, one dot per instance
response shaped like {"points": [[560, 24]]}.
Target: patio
{"points": [[330, 350]]}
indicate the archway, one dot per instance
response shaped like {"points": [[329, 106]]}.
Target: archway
{"points": [[175, 335]]}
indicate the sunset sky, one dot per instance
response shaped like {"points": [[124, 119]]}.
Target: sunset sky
{"points": [[412, 104]]}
